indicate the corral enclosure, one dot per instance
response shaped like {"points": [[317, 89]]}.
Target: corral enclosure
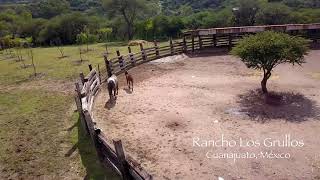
{"points": [[207, 97], [202, 96]]}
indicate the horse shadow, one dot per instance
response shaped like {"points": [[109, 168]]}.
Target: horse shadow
{"points": [[127, 90], [111, 103]]}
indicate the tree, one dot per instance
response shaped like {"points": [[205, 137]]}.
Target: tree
{"points": [[66, 27], [31, 56], [58, 44], [80, 53], [245, 14], [49, 8], [104, 34], [274, 13], [129, 10], [264, 51]]}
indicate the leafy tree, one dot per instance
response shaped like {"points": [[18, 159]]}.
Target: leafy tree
{"points": [[128, 9], [274, 13], [31, 56], [32, 28], [66, 27], [245, 13], [160, 25], [86, 38], [104, 34], [58, 44], [264, 51], [175, 27], [185, 10], [50, 8]]}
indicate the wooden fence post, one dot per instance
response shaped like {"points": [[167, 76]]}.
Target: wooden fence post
{"points": [[99, 73], [171, 47], [192, 36], [78, 90], [122, 159], [230, 41], [131, 56], [90, 67], [200, 42], [121, 61], [156, 48], [82, 78], [143, 53], [81, 115], [108, 66], [185, 49], [214, 39]]}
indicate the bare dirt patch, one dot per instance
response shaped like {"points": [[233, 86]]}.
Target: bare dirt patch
{"points": [[206, 97]]}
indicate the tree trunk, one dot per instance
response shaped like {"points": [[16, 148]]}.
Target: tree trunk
{"points": [[264, 85], [129, 24], [130, 34], [266, 76]]}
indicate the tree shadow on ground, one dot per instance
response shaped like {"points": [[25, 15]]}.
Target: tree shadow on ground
{"points": [[292, 107], [90, 159]]}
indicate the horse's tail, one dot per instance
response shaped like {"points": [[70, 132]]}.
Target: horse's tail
{"points": [[111, 86]]}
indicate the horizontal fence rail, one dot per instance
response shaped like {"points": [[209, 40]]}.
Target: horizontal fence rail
{"points": [[255, 29], [89, 86]]}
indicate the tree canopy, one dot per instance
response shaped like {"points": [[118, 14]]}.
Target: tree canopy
{"points": [[266, 50]]}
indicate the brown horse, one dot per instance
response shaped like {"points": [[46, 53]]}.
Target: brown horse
{"points": [[112, 83], [129, 80]]}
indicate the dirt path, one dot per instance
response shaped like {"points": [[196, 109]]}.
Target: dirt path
{"points": [[178, 107]]}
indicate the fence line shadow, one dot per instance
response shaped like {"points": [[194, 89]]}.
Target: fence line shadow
{"points": [[90, 160]]}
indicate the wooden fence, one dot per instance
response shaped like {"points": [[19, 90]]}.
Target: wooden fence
{"points": [[86, 90], [200, 39], [89, 86]]}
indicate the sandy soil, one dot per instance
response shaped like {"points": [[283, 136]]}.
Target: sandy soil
{"points": [[178, 105]]}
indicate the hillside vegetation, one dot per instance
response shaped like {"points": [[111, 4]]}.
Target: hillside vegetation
{"points": [[56, 22]]}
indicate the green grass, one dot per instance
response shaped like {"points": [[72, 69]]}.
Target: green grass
{"points": [[49, 64], [34, 137], [88, 154], [40, 135], [31, 122]]}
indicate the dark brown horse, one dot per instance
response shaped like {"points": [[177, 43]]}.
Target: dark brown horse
{"points": [[112, 84]]}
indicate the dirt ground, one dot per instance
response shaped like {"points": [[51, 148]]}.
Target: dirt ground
{"points": [[187, 118]]}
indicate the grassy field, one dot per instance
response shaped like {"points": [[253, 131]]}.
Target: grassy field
{"points": [[41, 135], [51, 66]]}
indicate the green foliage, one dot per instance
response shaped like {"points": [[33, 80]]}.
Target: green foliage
{"points": [[104, 34], [84, 38], [209, 19], [65, 27], [266, 50], [274, 13], [128, 9], [50, 8], [245, 13], [48, 20]]}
